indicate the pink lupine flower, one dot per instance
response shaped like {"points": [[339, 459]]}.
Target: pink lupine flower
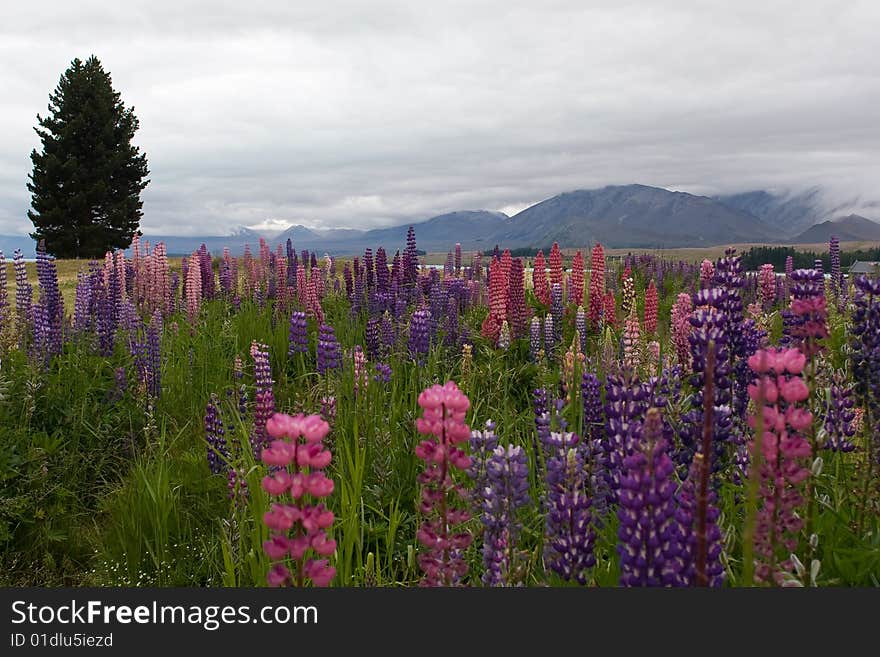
{"points": [[681, 327], [785, 456], [443, 503], [297, 445]]}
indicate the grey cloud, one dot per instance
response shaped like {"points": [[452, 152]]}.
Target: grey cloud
{"points": [[368, 114]]}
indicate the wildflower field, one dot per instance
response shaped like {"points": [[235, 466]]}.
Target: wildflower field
{"points": [[283, 418]]}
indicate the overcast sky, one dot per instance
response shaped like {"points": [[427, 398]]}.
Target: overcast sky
{"points": [[364, 114]]}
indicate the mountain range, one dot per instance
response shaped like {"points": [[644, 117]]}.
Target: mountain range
{"points": [[637, 216]]}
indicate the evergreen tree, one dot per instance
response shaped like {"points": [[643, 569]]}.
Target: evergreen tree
{"points": [[86, 182]]}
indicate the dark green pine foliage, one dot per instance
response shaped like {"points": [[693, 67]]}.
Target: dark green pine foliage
{"points": [[86, 182]]}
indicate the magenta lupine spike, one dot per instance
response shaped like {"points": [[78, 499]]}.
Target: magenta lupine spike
{"points": [[443, 502], [193, 288], [264, 396], [707, 272], [650, 310], [298, 521], [779, 393], [681, 328], [313, 299], [767, 286], [517, 311]]}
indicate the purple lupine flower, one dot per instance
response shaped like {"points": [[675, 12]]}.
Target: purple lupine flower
{"points": [[82, 315], [556, 310], [329, 354], [594, 435], [569, 535], [839, 416], [154, 355], [650, 540], [23, 291], [452, 331], [549, 336], [50, 298], [297, 337], [264, 396], [626, 402], [368, 268], [4, 302], [383, 373], [836, 273], [420, 332], [687, 517], [865, 354], [457, 258], [382, 273], [387, 333], [411, 258], [349, 283], [709, 324], [505, 493], [534, 338], [371, 337], [215, 439], [41, 334], [542, 416], [482, 444]]}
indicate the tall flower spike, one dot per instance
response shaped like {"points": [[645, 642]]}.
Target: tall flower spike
{"points": [[650, 541], [651, 304], [576, 287], [597, 305], [329, 356], [505, 493], [443, 502], [298, 522], [784, 456], [265, 397]]}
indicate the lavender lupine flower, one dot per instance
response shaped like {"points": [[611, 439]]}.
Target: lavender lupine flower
{"points": [[839, 416], [419, 332], [556, 309], [371, 337], [265, 397], [298, 339], [82, 307], [4, 301], [549, 336], [836, 273], [505, 493], [482, 444], [383, 373], [687, 517], [580, 324], [50, 298], [215, 439], [458, 258], [453, 332], [154, 355], [865, 355], [650, 540], [41, 334], [23, 291], [535, 338], [569, 535], [387, 333], [329, 355]]}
